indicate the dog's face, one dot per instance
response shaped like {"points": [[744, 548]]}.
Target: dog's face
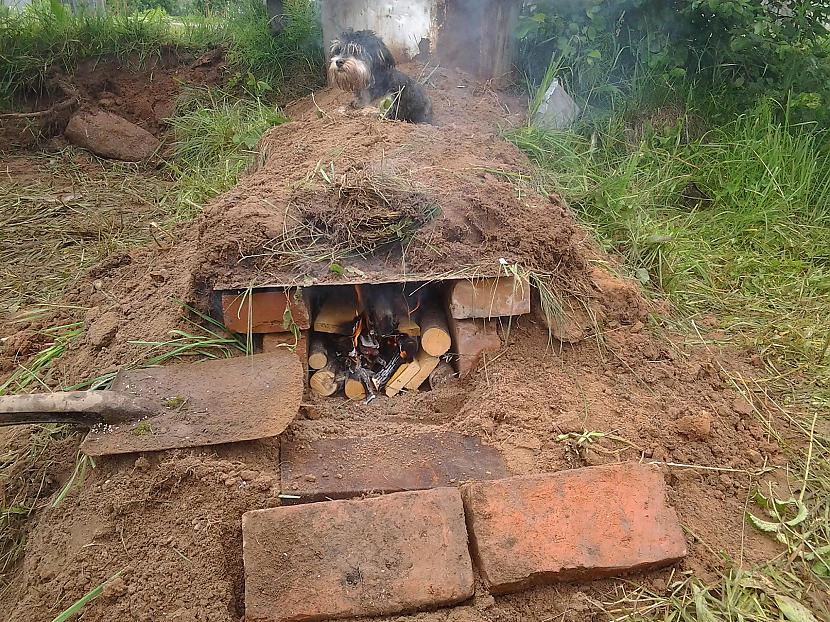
{"points": [[355, 58]]}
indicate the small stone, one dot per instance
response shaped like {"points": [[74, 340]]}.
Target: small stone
{"points": [[103, 330], [696, 427], [741, 406], [755, 457]]}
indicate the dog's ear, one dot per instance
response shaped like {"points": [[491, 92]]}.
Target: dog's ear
{"points": [[384, 57]]}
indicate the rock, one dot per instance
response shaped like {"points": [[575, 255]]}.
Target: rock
{"points": [[102, 331], [558, 110], [696, 427], [110, 136], [741, 406]]}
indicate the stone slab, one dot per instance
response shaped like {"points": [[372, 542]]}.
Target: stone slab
{"points": [[579, 524], [341, 468], [391, 554]]}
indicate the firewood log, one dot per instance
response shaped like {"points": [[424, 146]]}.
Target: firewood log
{"points": [[318, 356], [324, 382], [435, 336]]}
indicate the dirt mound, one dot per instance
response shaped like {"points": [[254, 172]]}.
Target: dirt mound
{"points": [[485, 209], [172, 519], [143, 91]]}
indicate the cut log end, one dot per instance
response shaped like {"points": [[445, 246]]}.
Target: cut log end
{"points": [[355, 389], [323, 382]]}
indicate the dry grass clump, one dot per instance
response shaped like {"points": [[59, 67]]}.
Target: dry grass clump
{"points": [[364, 212], [61, 213]]}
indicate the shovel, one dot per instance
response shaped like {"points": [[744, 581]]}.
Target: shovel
{"points": [[183, 405]]}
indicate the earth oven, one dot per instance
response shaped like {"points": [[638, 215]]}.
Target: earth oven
{"points": [[361, 340]]}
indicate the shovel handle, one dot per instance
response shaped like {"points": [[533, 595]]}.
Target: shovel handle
{"points": [[82, 408]]}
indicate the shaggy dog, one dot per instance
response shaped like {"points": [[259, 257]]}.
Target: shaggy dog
{"points": [[362, 64]]}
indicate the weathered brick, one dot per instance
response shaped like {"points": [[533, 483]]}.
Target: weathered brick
{"points": [[267, 309], [472, 339], [399, 552], [578, 524], [491, 297], [340, 468]]}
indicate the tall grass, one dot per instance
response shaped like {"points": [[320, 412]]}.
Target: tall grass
{"points": [[215, 135], [46, 37], [731, 220]]}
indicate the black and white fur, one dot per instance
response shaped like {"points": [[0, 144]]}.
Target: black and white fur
{"points": [[362, 64]]}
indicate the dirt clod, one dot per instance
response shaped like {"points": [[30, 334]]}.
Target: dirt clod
{"points": [[695, 427], [110, 136], [103, 330]]}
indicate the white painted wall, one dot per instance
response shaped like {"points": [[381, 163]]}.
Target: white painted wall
{"points": [[400, 24]]}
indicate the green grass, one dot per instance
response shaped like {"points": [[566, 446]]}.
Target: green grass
{"points": [[46, 37], [215, 135], [727, 220]]}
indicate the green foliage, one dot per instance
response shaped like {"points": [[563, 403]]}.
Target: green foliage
{"points": [[752, 48], [215, 135], [46, 36], [735, 221]]}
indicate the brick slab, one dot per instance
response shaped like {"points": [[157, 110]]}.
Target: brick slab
{"points": [[473, 339], [400, 552], [579, 524], [486, 298], [341, 468], [267, 309]]}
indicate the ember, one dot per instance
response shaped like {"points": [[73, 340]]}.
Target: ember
{"points": [[371, 339]]}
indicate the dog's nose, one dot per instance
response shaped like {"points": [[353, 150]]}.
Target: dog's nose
{"points": [[339, 62]]}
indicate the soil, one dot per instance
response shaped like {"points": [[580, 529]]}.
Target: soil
{"points": [[170, 521], [143, 91]]}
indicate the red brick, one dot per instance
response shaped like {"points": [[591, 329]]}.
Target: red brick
{"points": [[340, 468], [485, 298], [579, 524], [399, 552], [472, 339], [267, 310]]}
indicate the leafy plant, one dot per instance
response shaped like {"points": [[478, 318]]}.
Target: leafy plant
{"points": [[604, 47]]}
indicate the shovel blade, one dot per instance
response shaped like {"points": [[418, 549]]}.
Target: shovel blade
{"points": [[219, 401]]}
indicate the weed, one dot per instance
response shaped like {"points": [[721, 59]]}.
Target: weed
{"points": [[82, 602], [730, 222], [26, 375], [73, 213], [143, 429], [82, 462], [215, 136], [174, 402], [46, 37]]}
